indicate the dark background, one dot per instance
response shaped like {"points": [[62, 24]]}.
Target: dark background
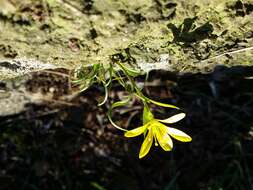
{"points": [[71, 145]]}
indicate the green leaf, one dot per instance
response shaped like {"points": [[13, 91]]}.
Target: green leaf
{"points": [[129, 71], [85, 85], [87, 80], [120, 79], [172, 184], [115, 105], [110, 76], [121, 103], [162, 104], [97, 186], [106, 95]]}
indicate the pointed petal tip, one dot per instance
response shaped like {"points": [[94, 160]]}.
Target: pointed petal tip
{"points": [[146, 145], [174, 118], [178, 135], [189, 139], [135, 132], [186, 138], [141, 156]]}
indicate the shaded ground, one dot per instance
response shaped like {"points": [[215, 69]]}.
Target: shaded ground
{"points": [[71, 145]]}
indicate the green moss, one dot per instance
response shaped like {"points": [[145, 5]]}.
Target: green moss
{"points": [[78, 32]]}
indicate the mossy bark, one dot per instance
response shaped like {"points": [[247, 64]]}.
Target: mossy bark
{"points": [[179, 36]]}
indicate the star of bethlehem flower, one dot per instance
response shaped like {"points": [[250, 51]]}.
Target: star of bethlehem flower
{"points": [[154, 130]]}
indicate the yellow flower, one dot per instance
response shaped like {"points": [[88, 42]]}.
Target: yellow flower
{"points": [[155, 130]]}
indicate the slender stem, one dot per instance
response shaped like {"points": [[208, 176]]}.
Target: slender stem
{"points": [[138, 92]]}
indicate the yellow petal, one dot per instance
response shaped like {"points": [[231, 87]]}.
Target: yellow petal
{"points": [[179, 135], [146, 145], [163, 138], [174, 118], [135, 132]]}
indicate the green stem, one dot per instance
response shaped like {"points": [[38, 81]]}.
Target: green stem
{"points": [[138, 92]]}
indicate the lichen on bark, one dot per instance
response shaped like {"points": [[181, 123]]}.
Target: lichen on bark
{"points": [[73, 33]]}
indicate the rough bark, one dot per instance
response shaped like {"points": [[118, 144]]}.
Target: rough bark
{"points": [[180, 36]]}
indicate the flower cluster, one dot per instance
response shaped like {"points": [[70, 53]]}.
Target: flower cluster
{"points": [[155, 130]]}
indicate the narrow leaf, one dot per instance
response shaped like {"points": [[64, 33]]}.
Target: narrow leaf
{"points": [[162, 104], [129, 71], [114, 105], [106, 95]]}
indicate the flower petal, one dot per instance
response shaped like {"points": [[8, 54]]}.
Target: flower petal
{"points": [[163, 138], [174, 118], [146, 145], [135, 132], [179, 135]]}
